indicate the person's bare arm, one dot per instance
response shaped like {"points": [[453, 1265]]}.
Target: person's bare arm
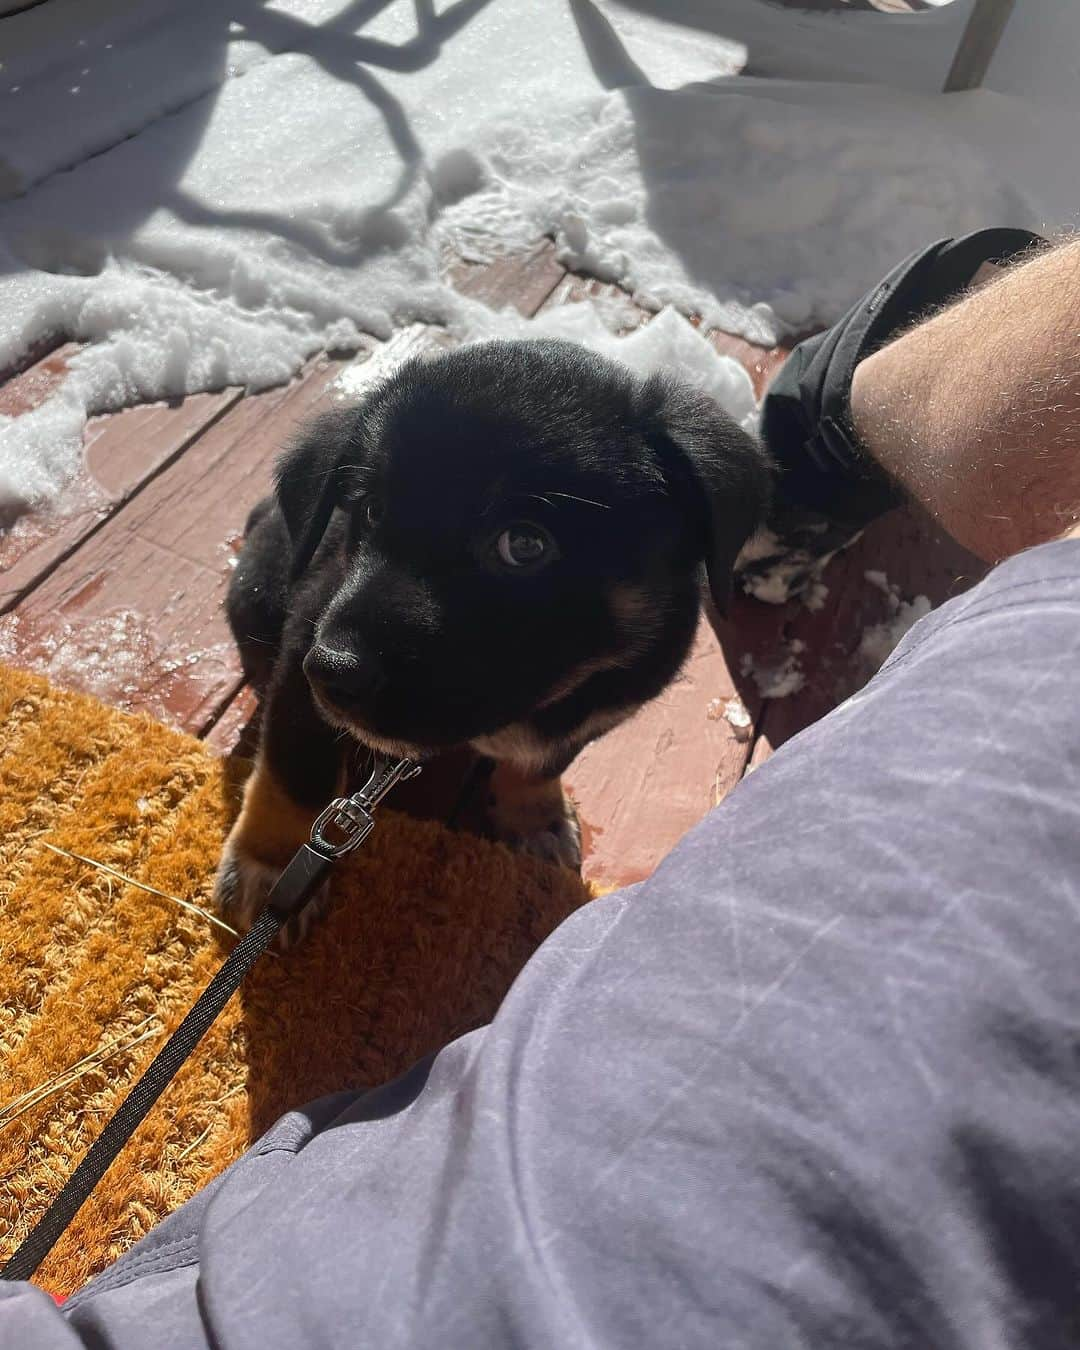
{"points": [[976, 412]]}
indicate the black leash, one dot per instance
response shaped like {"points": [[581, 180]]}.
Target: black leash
{"points": [[343, 826]]}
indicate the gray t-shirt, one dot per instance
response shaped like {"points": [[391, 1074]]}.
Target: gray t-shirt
{"points": [[813, 1084]]}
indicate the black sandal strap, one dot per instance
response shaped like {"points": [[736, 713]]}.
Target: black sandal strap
{"points": [[806, 415]]}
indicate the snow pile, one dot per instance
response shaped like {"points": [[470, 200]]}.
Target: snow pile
{"points": [[815, 595], [773, 587], [880, 640], [278, 179], [668, 343], [779, 681], [735, 713], [765, 207], [775, 571]]}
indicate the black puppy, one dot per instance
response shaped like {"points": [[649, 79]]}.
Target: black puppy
{"points": [[500, 547]]}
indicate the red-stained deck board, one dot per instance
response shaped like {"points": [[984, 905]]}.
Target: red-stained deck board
{"points": [[760, 363], [911, 552], [121, 452], [134, 615], [572, 289], [34, 382], [642, 786], [233, 732], [522, 280]]}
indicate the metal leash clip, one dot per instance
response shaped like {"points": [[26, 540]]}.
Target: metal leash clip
{"points": [[348, 821]]}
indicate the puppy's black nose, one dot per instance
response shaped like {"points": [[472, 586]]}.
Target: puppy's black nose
{"points": [[346, 679]]}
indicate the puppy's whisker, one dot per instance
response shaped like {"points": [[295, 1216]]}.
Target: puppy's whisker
{"points": [[586, 501]]}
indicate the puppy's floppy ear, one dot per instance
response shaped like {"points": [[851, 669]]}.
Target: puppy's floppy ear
{"points": [[311, 476], [721, 476]]}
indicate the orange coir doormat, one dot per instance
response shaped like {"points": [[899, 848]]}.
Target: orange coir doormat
{"points": [[428, 931]]}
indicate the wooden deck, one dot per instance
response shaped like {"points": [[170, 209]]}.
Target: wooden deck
{"points": [[119, 590]]}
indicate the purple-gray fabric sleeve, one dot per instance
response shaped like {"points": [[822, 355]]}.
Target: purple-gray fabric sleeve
{"points": [[816, 1083]]}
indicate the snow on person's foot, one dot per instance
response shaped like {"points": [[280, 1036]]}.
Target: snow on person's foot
{"points": [[209, 197], [880, 640]]}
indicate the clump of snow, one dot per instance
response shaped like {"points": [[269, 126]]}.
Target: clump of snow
{"points": [[777, 681], [455, 175], [785, 679], [660, 190], [774, 587], [775, 572], [762, 544], [240, 193], [775, 584], [738, 718], [815, 595], [669, 343], [735, 713], [880, 640], [878, 579]]}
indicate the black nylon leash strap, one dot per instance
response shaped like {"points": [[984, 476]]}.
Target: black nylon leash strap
{"points": [[288, 895], [343, 826]]}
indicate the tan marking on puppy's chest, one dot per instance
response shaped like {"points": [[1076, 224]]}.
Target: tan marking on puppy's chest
{"points": [[519, 743]]}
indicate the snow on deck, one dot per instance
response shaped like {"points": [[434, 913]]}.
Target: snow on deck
{"points": [[206, 196]]}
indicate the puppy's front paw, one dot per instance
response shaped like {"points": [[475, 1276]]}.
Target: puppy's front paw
{"points": [[559, 842], [534, 817], [270, 828], [242, 886]]}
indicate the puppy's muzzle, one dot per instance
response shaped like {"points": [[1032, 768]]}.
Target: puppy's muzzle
{"points": [[347, 681]]}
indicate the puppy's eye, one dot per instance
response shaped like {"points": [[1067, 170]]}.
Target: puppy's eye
{"points": [[525, 546], [371, 510]]}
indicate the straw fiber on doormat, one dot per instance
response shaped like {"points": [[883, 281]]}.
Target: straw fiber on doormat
{"points": [[429, 929]]}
